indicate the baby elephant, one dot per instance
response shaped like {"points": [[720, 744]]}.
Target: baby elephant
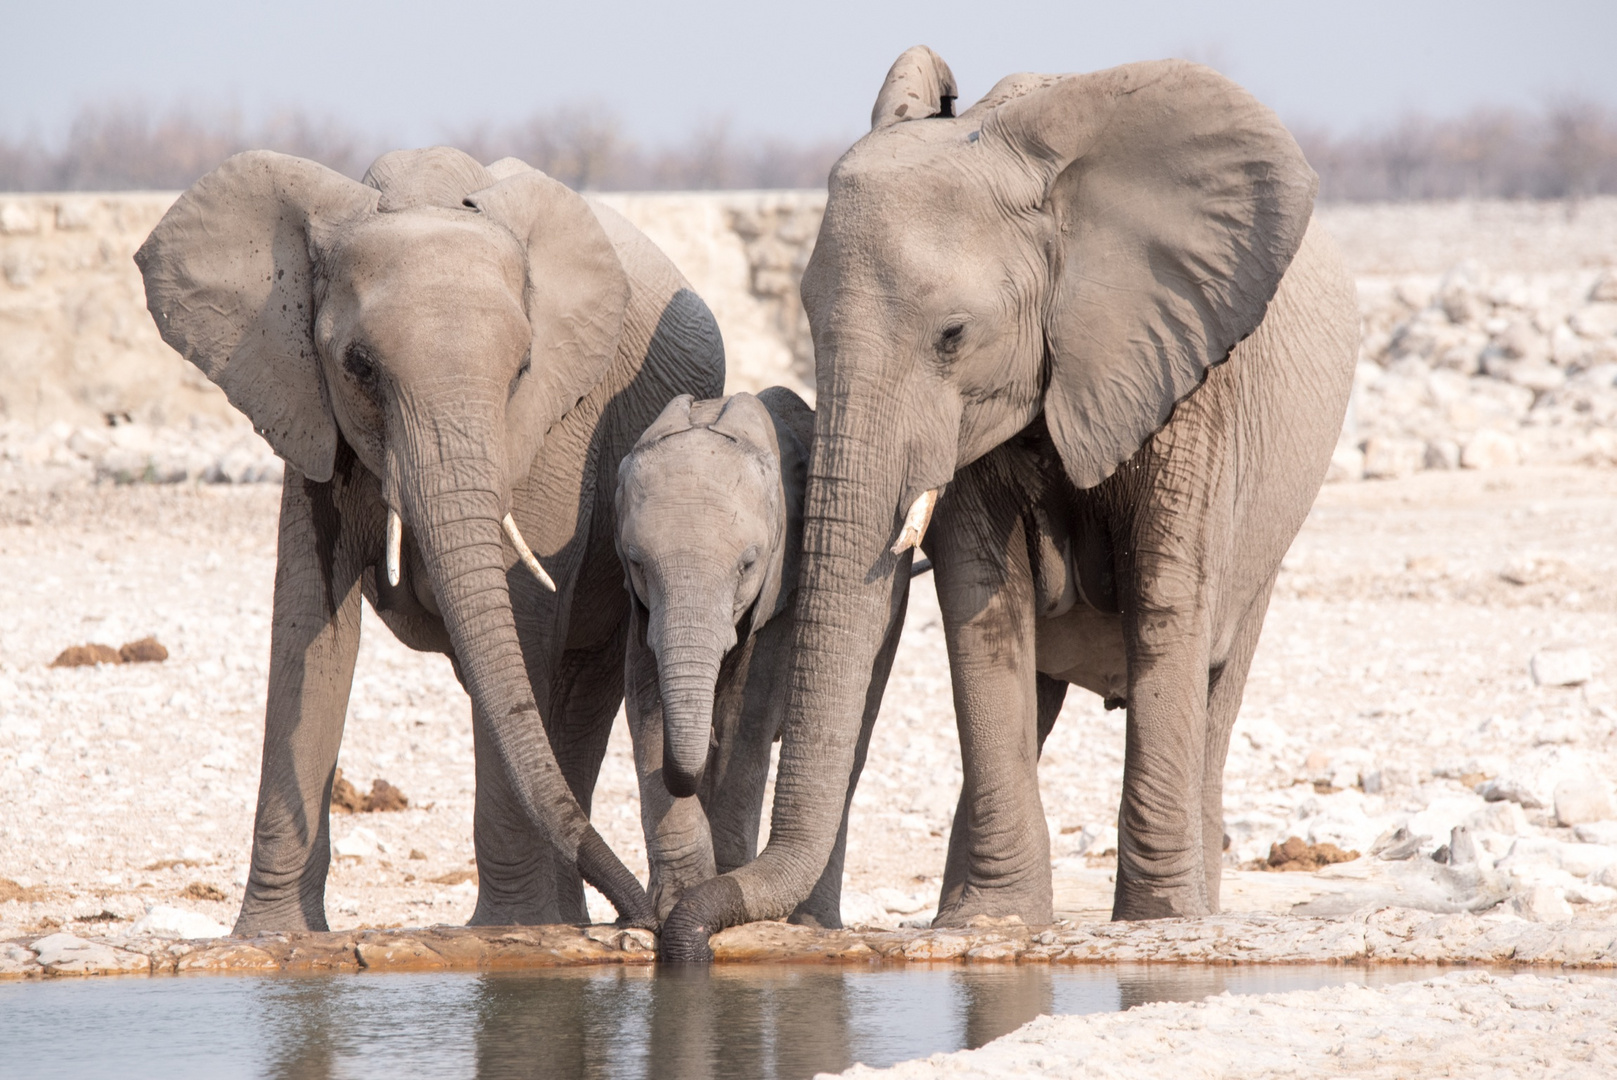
{"points": [[710, 505]]}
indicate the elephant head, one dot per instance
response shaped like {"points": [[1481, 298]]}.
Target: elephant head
{"points": [[1081, 247], [709, 523], [438, 322]]}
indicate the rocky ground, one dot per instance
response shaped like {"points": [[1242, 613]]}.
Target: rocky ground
{"points": [[1409, 679], [1465, 1025]]}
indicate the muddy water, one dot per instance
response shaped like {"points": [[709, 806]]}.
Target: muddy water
{"points": [[752, 1022]]}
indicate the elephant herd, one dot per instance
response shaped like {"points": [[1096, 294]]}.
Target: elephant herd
{"points": [[1080, 344]]}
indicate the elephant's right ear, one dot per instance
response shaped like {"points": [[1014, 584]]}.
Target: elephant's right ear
{"points": [[918, 85], [794, 438], [1176, 202], [578, 292], [230, 282]]}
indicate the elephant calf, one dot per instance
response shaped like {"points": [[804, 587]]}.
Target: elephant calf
{"points": [[709, 511]]}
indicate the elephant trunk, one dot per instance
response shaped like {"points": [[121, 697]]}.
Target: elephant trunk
{"points": [[454, 502], [849, 593], [688, 670]]}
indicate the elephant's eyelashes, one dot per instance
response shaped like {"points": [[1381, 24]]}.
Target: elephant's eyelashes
{"points": [[949, 340], [358, 363], [516, 380]]}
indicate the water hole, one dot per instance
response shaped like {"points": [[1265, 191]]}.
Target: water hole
{"points": [[767, 1021]]}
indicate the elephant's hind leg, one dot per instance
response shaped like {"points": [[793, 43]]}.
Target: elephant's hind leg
{"points": [[1227, 685]]}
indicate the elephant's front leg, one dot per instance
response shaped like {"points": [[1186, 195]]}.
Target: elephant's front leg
{"points": [[314, 638], [999, 849], [679, 845]]}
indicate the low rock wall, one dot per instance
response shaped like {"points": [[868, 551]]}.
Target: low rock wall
{"points": [[1490, 331]]}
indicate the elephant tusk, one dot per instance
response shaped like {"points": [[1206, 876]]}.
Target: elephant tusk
{"points": [[395, 539], [916, 521], [527, 553]]}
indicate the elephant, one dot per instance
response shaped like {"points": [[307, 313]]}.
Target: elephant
{"points": [[1088, 326], [709, 513], [452, 360]]}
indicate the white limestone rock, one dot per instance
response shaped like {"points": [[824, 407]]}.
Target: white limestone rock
{"points": [[1582, 799], [1562, 667], [171, 922]]}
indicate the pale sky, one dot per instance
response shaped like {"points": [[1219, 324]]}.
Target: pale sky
{"points": [[411, 70]]}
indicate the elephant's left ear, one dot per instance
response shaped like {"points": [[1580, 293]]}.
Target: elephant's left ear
{"points": [[577, 288], [1177, 201]]}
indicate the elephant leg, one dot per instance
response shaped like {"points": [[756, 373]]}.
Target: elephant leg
{"points": [[747, 714], [314, 639], [679, 847], [823, 907], [1227, 685], [584, 699], [999, 848], [1161, 869], [516, 864]]}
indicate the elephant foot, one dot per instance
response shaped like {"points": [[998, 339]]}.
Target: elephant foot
{"points": [[265, 915], [701, 912], [996, 906], [1138, 898]]}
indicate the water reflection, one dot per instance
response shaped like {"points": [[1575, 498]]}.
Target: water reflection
{"points": [[771, 1022]]}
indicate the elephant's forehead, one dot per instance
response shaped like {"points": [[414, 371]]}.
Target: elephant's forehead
{"points": [[432, 249]]}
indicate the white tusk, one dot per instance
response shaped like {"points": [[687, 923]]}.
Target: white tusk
{"points": [[527, 553], [395, 538], [916, 521]]}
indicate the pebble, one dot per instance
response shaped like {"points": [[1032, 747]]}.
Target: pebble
{"points": [[1562, 667], [172, 922], [1581, 800]]}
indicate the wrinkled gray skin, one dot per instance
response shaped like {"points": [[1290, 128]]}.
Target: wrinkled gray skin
{"points": [[1030, 307], [453, 343], [710, 506]]}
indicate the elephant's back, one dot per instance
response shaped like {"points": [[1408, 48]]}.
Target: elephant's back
{"points": [[669, 334]]}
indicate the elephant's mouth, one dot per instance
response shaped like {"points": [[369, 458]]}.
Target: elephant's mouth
{"points": [[395, 544]]}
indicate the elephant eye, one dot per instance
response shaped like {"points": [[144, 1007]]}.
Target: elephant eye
{"points": [[516, 380], [748, 559], [949, 340], [358, 363]]}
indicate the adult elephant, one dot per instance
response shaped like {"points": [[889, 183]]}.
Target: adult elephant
{"points": [[452, 360], [1022, 315]]}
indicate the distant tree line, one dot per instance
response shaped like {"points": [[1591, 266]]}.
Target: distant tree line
{"points": [[1568, 149]]}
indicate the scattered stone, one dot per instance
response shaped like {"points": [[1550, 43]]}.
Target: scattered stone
{"points": [[1490, 449], [1298, 855], [1562, 667], [201, 890], [1389, 458], [65, 954], [102, 916], [455, 877], [1512, 789], [1605, 288], [86, 656], [417, 853], [1581, 800], [1603, 833], [360, 843], [171, 922], [1542, 904], [1397, 844], [145, 651]]}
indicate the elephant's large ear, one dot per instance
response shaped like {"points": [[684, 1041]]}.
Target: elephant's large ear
{"points": [[1177, 202], [793, 423], [230, 281], [577, 289], [918, 85]]}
